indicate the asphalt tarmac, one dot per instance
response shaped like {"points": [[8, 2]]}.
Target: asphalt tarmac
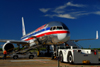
{"points": [[39, 62]]}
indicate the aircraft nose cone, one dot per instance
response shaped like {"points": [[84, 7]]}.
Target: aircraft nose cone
{"points": [[63, 37]]}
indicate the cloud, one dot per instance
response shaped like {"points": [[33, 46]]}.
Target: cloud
{"points": [[97, 12], [44, 10], [71, 15], [61, 15], [79, 13], [69, 10], [61, 9], [75, 5], [69, 4], [66, 16]]}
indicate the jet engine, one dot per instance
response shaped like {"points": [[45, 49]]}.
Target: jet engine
{"points": [[9, 47]]}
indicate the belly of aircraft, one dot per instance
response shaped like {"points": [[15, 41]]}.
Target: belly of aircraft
{"points": [[54, 39]]}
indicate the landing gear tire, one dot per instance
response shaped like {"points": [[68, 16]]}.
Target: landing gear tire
{"points": [[31, 57], [70, 58], [52, 58], [61, 57], [15, 57]]}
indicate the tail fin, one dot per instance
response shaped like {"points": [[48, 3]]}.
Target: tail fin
{"points": [[23, 27]]}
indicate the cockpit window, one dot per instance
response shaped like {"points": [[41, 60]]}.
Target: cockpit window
{"points": [[56, 28], [53, 28], [59, 28]]}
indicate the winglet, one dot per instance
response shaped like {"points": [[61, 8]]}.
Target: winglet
{"points": [[23, 27], [97, 35]]}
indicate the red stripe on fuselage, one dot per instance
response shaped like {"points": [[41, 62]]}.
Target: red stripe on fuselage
{"points": [[48, 33]]}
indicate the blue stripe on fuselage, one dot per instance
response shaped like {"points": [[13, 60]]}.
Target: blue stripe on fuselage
{"points": [[42, 30]]}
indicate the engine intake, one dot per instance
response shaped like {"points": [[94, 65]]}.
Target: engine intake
{"points": [[9, 47]]}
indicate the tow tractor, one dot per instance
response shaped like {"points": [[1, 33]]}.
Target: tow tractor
{"points": [[75, 55]]}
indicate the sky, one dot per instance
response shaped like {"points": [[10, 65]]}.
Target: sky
{"points": [[82, 17]]}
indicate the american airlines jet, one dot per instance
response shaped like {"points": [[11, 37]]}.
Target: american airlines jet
{"points": [[51, 33]]}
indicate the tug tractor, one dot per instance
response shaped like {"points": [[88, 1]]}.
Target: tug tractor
{"points": [[76, 55]]}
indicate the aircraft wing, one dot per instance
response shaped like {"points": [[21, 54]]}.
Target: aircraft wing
{"points": [[86, 39], [14, 41]]}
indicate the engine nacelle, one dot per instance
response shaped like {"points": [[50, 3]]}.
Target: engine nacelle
{"points": [[9, 47]]}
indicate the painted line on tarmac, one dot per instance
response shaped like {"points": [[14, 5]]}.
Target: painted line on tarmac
{"points": [[40, 60]]}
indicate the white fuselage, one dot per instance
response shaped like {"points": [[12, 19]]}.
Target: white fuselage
{"points": [[55, 36]]}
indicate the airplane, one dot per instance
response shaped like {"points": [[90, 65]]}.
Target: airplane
{"points": [[52, 33]]}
